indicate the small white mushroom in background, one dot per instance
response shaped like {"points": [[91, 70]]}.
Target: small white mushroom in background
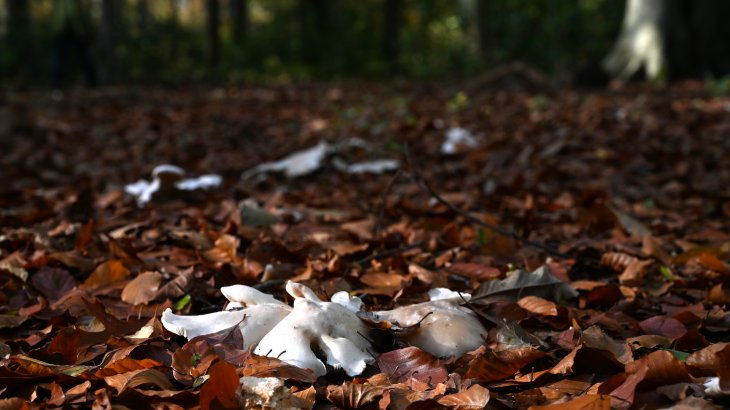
{"points": [[254, 312], [166, 180], [330, 328], [440, 326]]}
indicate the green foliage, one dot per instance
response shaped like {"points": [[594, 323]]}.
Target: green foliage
{"points": [[309, 39]]}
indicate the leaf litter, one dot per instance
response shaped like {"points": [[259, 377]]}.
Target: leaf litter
{"points": [[591, 233]]}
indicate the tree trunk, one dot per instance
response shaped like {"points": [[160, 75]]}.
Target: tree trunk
{"points": [[314, 29], [143, 14], [213, 30], [18, 36], [671, 39], [110, 19], [482, 21], [392, 21], [239, 21]]}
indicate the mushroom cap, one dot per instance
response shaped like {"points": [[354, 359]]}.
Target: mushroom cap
{"points": [[253, 322], [330, 328], [167, 169], [247, 296], [440, 327]]}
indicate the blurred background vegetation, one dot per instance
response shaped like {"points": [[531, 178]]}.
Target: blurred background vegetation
{"points": [[238, 41]]}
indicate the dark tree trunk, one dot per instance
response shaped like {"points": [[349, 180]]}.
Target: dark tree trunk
{"points": [[18, 19], [212, 8], [109, 33], [482, 20], [392, 21], [18, 36], [314, 30], [239, 21], [143, 14], [672, 39]]}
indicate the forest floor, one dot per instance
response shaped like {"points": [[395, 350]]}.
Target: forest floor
{"points": [[623, 194]]}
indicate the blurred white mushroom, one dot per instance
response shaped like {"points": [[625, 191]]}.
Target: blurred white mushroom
{"points": [[457, 140], [254, 312], [440, 326], [329, 328], [166, 180]]}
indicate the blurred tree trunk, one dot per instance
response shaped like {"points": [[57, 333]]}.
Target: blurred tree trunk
{"points": [[392, 21], [239, 21], [110, 28], [314, 29], [143, 14], [18, 35], [483, 34], [672, 39], [18, 12], [212, 9]]}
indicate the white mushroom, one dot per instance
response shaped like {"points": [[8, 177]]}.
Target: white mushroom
{"points": [[166, 180], [256, 314], [314, 331], [441, 326], [329, 328]]}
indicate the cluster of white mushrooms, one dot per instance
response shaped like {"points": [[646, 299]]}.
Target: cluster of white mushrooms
{"points": [[313, 329]]}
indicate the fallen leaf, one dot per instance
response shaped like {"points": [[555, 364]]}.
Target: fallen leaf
{"points": [[107, 273], [587, 402], [142, 289], [353, 396], [521, 283], [412, 362], [538, 305], [475, 397], [219, 391], [663, 326], [123, 381], [488, 365]]}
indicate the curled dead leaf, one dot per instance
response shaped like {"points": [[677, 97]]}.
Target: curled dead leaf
{"points": [[412, 362], [107, 273], [474, 398], [123, 381], [351, 395], [538, 305], [219, 392], [488, 365], [142, 289]]}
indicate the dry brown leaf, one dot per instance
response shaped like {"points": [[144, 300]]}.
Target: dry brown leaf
{"points": [[262, 366], [142, 289], [350, 395], [587, 402], [705, 362], [663, 326], [126, 365], [489, 365], [305, 399], [219, 391], [474, 398], [634, 273], [662, 368], [107, 273], [476, 271], [538, 305], [123, 381], [412, 362], [719, 294]]}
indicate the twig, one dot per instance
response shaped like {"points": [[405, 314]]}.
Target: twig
{"points": [[384, 204], [389, 252], [426, 187]]}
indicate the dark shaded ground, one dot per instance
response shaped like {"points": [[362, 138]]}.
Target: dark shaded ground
{"points": [[629, 190]]}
